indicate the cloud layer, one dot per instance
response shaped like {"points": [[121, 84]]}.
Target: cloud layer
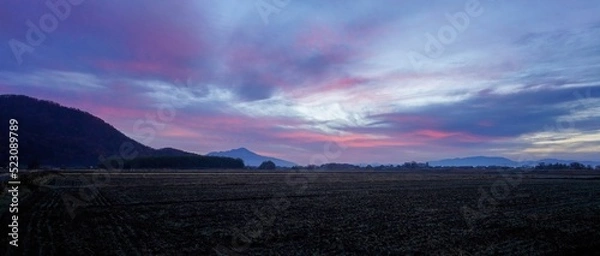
{"points": [[287, 78]]}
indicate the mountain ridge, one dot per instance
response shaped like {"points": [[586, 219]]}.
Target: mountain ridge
{"points": [[50, 134], [250, 158], [501, 161]]}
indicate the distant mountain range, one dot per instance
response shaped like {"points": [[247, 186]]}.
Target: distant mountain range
{"points": [[501, 161], [54, 135], [250, 158]]}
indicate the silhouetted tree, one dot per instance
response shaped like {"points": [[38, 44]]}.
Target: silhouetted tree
{"points": [[410, 165], [338, 166], [577, 166], [560, 166], [267, 165], [541, 165]]}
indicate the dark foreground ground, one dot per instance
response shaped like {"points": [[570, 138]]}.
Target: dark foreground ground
{"points": [[308, 214]]}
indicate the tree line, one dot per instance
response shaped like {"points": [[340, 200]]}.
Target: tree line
{"points": [[184, 162], [559, 166]]}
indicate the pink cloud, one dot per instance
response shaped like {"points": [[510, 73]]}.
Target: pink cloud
{"points": [[446, 135], [178, 132], [435, 134], [350, 140]]}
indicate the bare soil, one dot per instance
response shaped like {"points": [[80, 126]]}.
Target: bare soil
{"points": [[420, 213]]}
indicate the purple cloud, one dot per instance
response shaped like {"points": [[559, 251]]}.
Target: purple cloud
{"points": [[318, 72]]}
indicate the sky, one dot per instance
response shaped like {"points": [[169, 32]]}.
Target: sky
{"points": [[316, 81]]}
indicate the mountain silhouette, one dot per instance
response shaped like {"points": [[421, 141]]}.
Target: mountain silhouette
{"points": [[250, 158], [53, 135], [501, 161], [475, 161]]}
